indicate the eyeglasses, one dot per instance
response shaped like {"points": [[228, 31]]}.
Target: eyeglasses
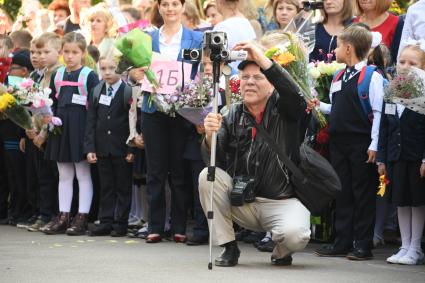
{"points": [[256, 78]]}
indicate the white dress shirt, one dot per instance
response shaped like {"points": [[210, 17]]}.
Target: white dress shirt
{"points": [[414, 24], [376, 98], [171, 49]]}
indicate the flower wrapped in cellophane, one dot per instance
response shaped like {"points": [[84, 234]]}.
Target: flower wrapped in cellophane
{"points": [[136, 49], [408, 89], [18, 114], [292, 56], [37, 100], [193, 101]]}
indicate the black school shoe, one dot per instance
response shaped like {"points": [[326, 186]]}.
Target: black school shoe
{"points": [[284, 261], [360, 254], [331, 251], [229, 256], [99, 230], [197, 241]]}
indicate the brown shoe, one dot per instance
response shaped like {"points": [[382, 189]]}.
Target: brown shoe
{"points": [[58, 225], [78, 225]]}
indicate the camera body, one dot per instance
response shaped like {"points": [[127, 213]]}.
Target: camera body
{"points": [[192, 54], [310, 6], [243, 191], [214, 44]]}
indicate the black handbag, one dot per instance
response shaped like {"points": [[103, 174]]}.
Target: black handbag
{"points": [[315, 181]]}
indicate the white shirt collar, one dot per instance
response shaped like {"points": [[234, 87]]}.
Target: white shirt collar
{"points": [[176, 38], [359, 66]]}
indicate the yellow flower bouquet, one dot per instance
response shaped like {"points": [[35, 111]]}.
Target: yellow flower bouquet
{"points": [[14, 111], [292, 56]]}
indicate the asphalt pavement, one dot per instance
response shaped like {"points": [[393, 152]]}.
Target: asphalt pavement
{"points": [[35, 257]]}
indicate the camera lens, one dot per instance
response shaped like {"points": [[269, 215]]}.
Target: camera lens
{"points": [[194, 54], [224, 54], [216, 39]]}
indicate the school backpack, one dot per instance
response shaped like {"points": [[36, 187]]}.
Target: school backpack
{"points": [[128, 91], [81, 83], [363, 84]]}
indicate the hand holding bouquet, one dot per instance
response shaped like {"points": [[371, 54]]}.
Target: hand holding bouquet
{"points": [[291, 55], [136, 49]]}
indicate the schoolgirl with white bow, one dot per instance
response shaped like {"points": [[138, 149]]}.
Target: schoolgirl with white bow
{"points": [[401, 157]]}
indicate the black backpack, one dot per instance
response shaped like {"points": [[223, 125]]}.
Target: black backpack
{"points": [[315, 181], [128, 92]]}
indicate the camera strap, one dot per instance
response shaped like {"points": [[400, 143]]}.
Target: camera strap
{"points": [[238, 138], [282, 156]]}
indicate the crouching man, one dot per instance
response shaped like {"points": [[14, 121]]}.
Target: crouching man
{"points": [[271, 99]]}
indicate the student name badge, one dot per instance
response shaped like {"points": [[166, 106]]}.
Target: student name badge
{"points": [[79, 99], [336, 86], [390, 109], [105, 100]]}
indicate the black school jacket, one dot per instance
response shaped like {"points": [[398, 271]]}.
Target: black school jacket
{"points": [[107, 127], [401, 138]]}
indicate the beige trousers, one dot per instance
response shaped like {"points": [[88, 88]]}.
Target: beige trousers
{"points": [[288, 219]]}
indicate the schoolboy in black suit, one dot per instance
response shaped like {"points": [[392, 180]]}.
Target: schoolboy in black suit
{"points": [[355, 114], [105, 144]]}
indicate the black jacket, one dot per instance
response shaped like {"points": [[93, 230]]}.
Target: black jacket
{"points": [[107, 127], [283, 111], [401, 138]]}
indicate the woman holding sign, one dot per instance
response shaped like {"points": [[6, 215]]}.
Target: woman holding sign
{"points": [[165, 136]]}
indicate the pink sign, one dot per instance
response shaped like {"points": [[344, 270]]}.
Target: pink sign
{"points": [[168, 75]]}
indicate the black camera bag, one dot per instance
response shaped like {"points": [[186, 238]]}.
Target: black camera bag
{"points": [[315, 181]]}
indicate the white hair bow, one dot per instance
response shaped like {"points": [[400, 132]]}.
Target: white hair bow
{"points": [[420, 42], [376, 39]]}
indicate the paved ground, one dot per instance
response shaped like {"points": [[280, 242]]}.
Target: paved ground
{"points": [[35, 257]]}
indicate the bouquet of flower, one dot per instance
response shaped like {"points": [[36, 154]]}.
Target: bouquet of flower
{"points": [[292, 56], [322, 75], [18, 114], [408, 89], [235, 90], [195, 95], [136, 49], [38, 102]]}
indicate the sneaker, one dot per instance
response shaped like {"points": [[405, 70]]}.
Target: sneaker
{"points": [[25, 224], [412, 258], [396, 257], [37, 225]]}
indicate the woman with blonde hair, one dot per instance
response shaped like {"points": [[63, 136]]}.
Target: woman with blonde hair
{"points": [[102, 28]]}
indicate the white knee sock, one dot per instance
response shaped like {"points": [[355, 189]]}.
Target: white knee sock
{"points": [[85, 186], [66, 179], [405, 223], [418, 219]]}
